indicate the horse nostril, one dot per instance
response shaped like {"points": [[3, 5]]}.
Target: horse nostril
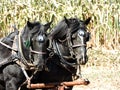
{"points": [[83, 60]]}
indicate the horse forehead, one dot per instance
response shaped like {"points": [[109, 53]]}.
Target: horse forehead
{"points": [[42, 27], [74, 22], [74, 19]]}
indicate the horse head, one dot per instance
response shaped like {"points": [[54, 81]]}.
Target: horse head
{"points": [[33, 40], [69, 39], [78, 37]]}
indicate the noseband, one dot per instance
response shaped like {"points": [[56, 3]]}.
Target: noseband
{"points": [[36, 52], [78, 45]]}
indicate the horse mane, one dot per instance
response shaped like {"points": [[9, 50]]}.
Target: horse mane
{"points": [[61, 29], [74, 24]]}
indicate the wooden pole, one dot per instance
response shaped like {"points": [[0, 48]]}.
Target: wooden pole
{"points": [[53, 85]]}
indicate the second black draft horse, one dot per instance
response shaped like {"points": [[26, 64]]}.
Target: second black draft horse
{"points": [[69, 39]]}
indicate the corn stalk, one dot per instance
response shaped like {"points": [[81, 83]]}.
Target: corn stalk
{"points": [[104, 26]]}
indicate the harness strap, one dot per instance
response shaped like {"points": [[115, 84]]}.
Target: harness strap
{"points": [[78, 45], [8, 60], [25, 73], [70, 43], [15, 46], [4, 44], [21, 52], [36, 52]]}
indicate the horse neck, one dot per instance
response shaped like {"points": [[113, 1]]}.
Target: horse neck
{"points": [[63, 48], [8, 41], [24, 51]]}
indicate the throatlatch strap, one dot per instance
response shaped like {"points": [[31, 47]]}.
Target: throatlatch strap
{"points": [[15, 46]]}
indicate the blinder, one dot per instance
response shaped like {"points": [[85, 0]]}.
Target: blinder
{"points": [[85, 34], [88, 36], [40, 38]]}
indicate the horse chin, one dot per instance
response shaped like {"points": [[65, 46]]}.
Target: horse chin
{"points": [[40, 68], [82, 62]]}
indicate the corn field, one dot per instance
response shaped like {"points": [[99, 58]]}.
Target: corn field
{"points": [[104, 26]]}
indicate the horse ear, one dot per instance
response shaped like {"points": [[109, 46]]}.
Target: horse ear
{"points": [[66, 21], [29, 24], [87, 21], [48, 24], [15, 29]]}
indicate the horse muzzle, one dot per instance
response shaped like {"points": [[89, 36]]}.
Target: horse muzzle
{"points": [[83, 60]]}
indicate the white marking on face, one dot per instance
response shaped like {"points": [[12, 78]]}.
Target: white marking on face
{"points": [[81, 36]]}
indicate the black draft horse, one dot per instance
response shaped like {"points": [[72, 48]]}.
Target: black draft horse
{"points": [[67, 50], [30, 51]]}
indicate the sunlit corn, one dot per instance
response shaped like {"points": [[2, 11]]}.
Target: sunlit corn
{"points": [[104, 26]]}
